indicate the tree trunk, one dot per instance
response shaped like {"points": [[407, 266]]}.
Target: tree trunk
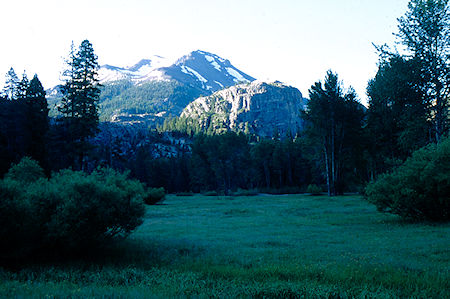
{"points": [[333, 158], [327, 167], [289, 168], [267, 174]]}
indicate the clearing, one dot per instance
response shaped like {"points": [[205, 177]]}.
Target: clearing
{"points": [[259, 246]]}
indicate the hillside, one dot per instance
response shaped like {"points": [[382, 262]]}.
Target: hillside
{"points": [[155, 88]]}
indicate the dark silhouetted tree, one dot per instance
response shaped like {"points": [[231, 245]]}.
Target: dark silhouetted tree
{"points": [[80, 97], [425, 32], [37, 121], [334, 126], [397, 118]]}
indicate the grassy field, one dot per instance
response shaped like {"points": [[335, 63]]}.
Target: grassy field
{"points": [[262, 246]]}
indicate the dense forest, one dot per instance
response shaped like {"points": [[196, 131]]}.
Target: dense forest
{"points": [[342, 148]]}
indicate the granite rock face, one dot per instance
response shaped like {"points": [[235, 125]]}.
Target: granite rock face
{"points": [[258, 108]]}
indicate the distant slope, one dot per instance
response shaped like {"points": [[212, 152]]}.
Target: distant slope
{"points": [[149, 102], [156, 88]]}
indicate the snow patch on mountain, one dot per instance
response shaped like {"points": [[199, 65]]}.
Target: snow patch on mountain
{"points": [[145, 69], [213, 62], [219, 83], [188, 70], [238, 78]]}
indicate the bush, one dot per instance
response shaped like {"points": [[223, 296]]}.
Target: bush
{"points": [[210, 193], [245, 192], [26, 171], [314, 189], [154, 195], [71, 211], [419, 188], [282, 190], [184, 194]]}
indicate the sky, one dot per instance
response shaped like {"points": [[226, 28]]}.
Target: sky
{"points": [[293, 41]]}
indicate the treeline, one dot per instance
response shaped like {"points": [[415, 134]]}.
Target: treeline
{"points": [[24, 121], [56, 143], [227, 162], [331, 153]]}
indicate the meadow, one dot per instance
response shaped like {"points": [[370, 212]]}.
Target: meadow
{"points": [[283, 246]]}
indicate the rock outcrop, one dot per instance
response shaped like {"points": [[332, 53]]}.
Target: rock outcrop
{"points": [[258, 108]]}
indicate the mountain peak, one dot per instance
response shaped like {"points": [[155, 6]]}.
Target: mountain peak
{"points": [[199, 69], [140, 64]]}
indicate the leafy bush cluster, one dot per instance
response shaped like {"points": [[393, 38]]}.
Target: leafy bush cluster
{"points": [[245, 192], [314, 189], [70, 211], [154, 195], [418, 189]]}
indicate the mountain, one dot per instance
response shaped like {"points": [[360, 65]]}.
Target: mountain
{"points": [[258, 107], [145, 69], [156, 88], [198, 69], [206, 71]]}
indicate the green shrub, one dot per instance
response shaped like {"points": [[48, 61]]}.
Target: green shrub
{"points": [[419, 188], [26, 171], [244, 192], [210, 193], [154, 195], [282, 190], [71, 211], [185, 194], [314, 189]]}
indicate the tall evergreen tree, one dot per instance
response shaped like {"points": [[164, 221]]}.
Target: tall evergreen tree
{"points": [[10, 89], [425, 31], [333, 126], [80, 97], [37, 120], [397, 120], [22, 87]]}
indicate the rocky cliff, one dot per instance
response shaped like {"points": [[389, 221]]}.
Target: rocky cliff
{"points": [[259, 108]]}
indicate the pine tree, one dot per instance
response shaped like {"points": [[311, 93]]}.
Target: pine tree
{"points": [[22, 87], [79, 105], [396, 119], [11, 85], [425, 31], [37, 120], [333, 126]]}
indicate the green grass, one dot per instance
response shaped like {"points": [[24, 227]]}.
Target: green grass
{"points": [[261, 246]]}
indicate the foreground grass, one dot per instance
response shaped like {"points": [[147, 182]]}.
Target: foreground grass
{"points": [[262, 246]]}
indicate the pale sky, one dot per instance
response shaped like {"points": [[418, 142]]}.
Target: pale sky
{"points": [[293, 41]]}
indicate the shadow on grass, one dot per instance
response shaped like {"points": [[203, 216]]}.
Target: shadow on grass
{"points": [[397, 220], [141, 254]]}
